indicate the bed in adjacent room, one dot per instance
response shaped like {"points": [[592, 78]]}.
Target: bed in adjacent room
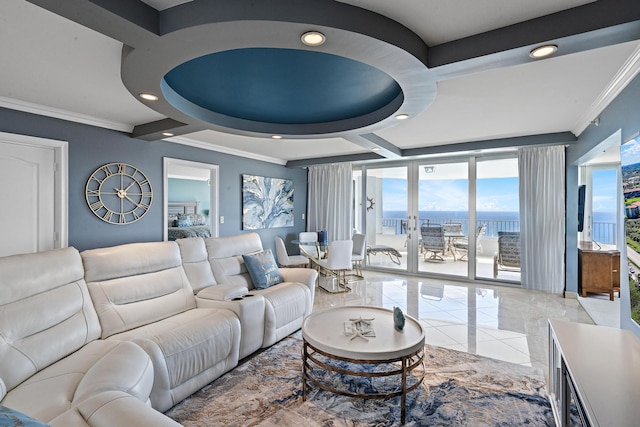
{"points": [[184, 220]]}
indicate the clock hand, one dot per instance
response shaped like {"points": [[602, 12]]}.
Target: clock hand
{"points": [[129, 199], [129, 186]]}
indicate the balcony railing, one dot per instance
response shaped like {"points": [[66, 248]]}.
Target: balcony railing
{"points": [[399, 225], [603, 232]]}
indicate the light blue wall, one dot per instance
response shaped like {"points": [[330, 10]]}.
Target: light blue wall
{"points": [[91, 147], [623, 114]]}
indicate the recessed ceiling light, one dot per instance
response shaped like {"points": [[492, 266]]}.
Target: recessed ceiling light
{"points": [[276, 136], [167, 134], [543, 51], [149, 96], [402, 117], [313, 38], [375, 149]]}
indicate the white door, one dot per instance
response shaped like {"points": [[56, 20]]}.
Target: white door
{"points": [[27, 197]]}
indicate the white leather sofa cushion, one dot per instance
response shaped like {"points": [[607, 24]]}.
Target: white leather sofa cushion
{"points": [[225, 257], [249, 308], [196, 263], [306, 276], [188, 350], [45, 312], [136, 284], [286, 303], [141, 293], [97, 367], [209, 294]]}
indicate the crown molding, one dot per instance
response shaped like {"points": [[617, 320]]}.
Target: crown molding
{"points": [[57, 113], [623, 77], [226, 150]]}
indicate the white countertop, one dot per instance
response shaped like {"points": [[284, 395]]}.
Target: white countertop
{"points": [[604, 364]]}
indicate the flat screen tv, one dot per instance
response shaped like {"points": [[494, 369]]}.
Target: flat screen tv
{"points": [[582, 194]]}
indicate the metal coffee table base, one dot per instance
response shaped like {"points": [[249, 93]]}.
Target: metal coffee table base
{"points": [[310, 361]]}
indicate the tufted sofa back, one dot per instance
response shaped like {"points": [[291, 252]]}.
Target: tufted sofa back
{"points": [[225, 257], [45, 312], [136, 284], [195, 261]]}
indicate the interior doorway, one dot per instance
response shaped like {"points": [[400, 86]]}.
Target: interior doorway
{"points": [[33, 173], [602, 217], [190, 188]]}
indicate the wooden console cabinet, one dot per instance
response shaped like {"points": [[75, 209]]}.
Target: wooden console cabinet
{"points": [[598, 270]]}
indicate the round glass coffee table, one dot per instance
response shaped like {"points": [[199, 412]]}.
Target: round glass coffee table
{"points": [[343, 334]]}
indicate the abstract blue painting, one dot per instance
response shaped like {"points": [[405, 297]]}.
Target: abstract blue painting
{"points": [[266, 202]]}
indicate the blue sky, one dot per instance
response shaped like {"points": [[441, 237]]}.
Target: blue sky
{"points": [[605, 190], [630, 152], [495, 194]]}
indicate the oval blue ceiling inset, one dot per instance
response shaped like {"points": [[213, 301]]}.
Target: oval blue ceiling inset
{"points": [[282, 86]]}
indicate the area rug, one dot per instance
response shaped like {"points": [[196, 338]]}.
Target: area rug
{"points": [[459, 389]]}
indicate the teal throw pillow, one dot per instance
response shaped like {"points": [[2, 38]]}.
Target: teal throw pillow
{"points": [[263, 269], [183, 223], [11, 417]]}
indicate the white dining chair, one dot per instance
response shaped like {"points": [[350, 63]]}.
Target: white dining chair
{"points": [[309, 237], [359, 251], [338, 260], [286, 260]]}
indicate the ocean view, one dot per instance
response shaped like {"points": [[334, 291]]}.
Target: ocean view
{"points": [[497, 221]]}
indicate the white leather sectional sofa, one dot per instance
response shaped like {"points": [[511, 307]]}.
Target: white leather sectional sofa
{"points": [[115, 336]]}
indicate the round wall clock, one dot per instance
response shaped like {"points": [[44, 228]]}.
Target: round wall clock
{"points": [[118, 193]]}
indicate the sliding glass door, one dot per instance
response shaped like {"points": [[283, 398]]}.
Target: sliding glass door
{"points": [[386, 207], [442, 218], [497, 228]]}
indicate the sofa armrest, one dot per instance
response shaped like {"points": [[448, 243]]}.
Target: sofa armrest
{"points": [[306, 276], [222, 292], [116, 408]]}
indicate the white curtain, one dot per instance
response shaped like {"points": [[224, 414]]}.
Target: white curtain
{"points": [[329, 203], [542, 218]]}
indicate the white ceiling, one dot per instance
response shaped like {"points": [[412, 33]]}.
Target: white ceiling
{"points": [[438, 21], [54, 66]]}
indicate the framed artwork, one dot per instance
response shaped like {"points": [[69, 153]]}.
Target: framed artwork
{"points": [[266, 202]]}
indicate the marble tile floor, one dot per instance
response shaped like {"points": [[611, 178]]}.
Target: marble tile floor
{"points": [[603, 311], [500, 322]]}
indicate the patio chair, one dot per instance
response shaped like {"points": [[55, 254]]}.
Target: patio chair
{"points": [[508, 256], [462, 245], [433, 242]]}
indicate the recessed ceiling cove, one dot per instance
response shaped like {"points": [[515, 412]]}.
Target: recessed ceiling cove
{"points": [[281, 86], [241, 67]]}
